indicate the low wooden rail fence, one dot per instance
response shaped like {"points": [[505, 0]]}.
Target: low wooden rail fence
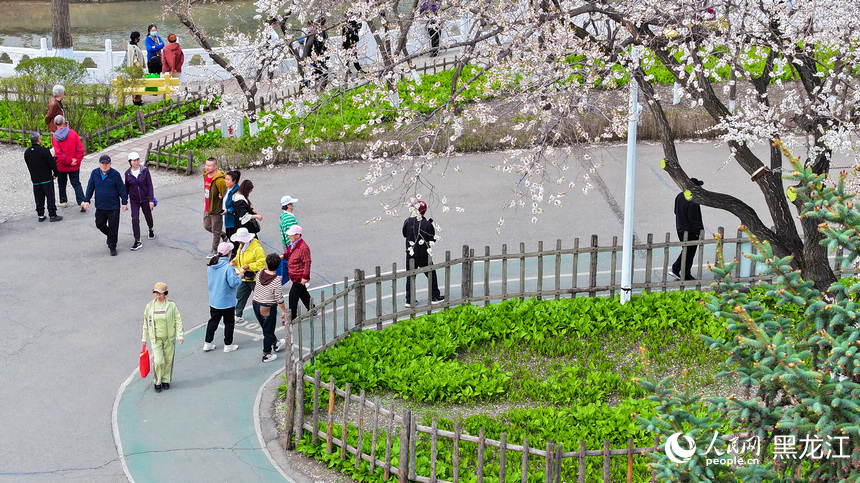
{"points": [[167, 149], [371, 303]]}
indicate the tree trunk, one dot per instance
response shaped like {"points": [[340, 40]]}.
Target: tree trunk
{"points": [[61, 28]]}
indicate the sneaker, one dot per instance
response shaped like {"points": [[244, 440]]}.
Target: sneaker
{"points": [[438, 300], [56, 218], [137, 245], [113, 252], [42, 218], [151, 235], [230, 348], [674, 275], [280, 345], [408, 305], [208, 346], [269, 357], [83, 210], [239, 319], [63, 205]]}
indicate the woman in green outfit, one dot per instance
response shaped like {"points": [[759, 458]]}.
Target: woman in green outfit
{"points": [[162, 324]]}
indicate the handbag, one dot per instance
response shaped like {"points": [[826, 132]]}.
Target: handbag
{"points": [[253, 226], [144, 362]]}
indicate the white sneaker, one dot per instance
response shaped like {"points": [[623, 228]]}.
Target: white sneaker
{"points": [[62, 205], [280, 345], [269, 357], [231, 347], [208, 346], [239, 319]]}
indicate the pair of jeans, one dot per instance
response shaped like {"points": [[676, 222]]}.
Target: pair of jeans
{"points": [[267, 323], [691, 255], [42, 192], [75, 178], [419, 262], [215, 316], [136, 208], [107, 221], [298, 291], [242, 295]]}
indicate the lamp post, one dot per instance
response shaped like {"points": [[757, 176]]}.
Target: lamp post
{"points": [[629, 190]]}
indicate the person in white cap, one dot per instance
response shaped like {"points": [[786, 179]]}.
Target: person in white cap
{"points": [[141, 196], [299, 270], [288, 219]]}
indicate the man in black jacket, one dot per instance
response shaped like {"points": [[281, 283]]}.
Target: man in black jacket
{"points": [[688, 219], [43, 172], [419, 233]]}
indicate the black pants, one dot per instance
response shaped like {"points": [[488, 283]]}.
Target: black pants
{"points": [[107, 221], [42, 192], [215, 316], [298, 291], [435, 33], [691, 255], [419, 262], [267, 323]]}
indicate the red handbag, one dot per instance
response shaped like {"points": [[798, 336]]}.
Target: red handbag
{"points": [[144, 362]]}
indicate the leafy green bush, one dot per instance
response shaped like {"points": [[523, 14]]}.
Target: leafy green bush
{"points": [[49, 71]]}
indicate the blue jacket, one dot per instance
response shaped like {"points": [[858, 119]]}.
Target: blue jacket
{"points": [[108, 191], [151, 47], [223, 283]]}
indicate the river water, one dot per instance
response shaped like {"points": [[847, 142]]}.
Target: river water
{"points": [[22, 24]]}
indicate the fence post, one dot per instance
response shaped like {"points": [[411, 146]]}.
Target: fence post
{"points": [[403, 470], [358, 280], [289, 418], [466, 275], [592, 266], [190, 166], [300, 402], [606, 469], [141, 121]]}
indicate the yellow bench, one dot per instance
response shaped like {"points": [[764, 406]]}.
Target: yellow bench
{"points": [[164, 85]]}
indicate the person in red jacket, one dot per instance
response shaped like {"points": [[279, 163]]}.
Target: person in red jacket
{"points": [[69, 153], [298, 257], [172, 57]]}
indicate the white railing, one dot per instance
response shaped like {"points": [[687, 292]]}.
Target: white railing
{"points": [[198, 67]]}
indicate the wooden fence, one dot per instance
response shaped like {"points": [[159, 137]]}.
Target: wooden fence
{"points": [[371, 302], [168, 148]]}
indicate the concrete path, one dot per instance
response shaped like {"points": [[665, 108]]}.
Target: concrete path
{"points": [[71, 328]]}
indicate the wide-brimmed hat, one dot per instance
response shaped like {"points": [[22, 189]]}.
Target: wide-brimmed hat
{"points": [[242, 235], [294, 230]]}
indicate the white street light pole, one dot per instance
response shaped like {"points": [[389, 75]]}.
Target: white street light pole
{"points": [[629, 192]]}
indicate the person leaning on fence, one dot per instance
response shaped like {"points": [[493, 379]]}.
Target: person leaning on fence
{"points": [[420, 234], [162, 325], [134, 58], [268, 296], [214, 189], [43, 172], [69, 152], [141, 195], [688, 219], [55, 108], [172, 57], [250, 259]]}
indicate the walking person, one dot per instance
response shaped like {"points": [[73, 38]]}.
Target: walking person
{"points": [[250, 259], [134, 58], [162, 325], [69, 152], [430, 9], [154, 46], [107, 186], [268, 296], [298, 257], [213, 195], [55, 107], [172, 57], [288, 219], [231, 181], [246, 215], [43, 172], [141, 195], [688, 219], [349, 31], [223, 283], [420, 234]]}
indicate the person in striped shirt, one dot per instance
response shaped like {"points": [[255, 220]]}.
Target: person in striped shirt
{"points": [[288, 219], [268, 295]]}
